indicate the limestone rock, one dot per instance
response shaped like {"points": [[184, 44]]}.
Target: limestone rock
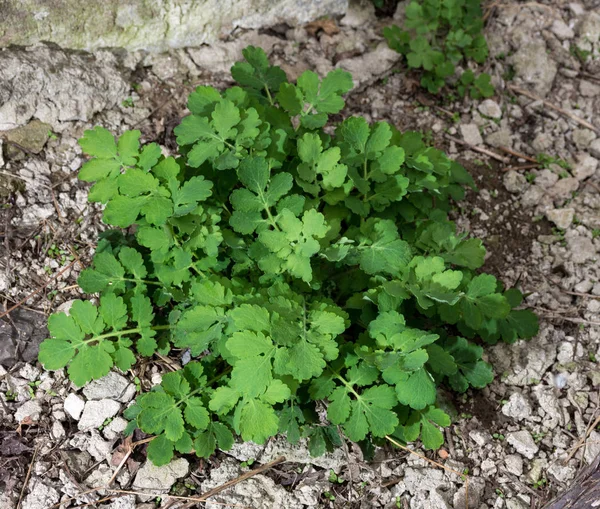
{"points": [[561, 217], [471, 134], [74, 406], [111, 386], [96, 412], [160, 479], [534, 66], [152, 25], [523, 443]]}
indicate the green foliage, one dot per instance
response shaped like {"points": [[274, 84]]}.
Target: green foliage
{"points": [[303, 267], [437, 37]]}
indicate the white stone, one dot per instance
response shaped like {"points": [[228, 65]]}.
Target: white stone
{"points": [[111, 386], [114, 427], [562, 30], [582, 249], [480, 437], [74, 406], [588, 89], [517, 407], [523, 443], [583, 138], [96, 412], [40, 496], [561, 217], [585, 166], [160, 479], [471, 134], [514, 464], [561, 472], [534, 66], [31, 409], [490, 109], [592, 447], [594, 148], [58, 431], [369, 66], [514, 182]]}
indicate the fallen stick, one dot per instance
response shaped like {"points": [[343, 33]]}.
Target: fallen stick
{"points": [[498, 157], [562, 111], [518, 154]]}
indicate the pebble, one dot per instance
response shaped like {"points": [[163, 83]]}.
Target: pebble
{"points": [[517, 407], [562, 30], [111, 386], [514, 464], [31, 409], [585, 166], [96, 412], [490, 109], [471, 134], [151, 477], [523, 443], [74, 406], [562, 218]]}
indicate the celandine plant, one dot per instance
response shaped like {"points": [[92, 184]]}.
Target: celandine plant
{"points": [[311, 270]]}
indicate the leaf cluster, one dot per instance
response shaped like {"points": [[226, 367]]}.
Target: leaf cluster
{"points": [[438, 36], [309, 268]]}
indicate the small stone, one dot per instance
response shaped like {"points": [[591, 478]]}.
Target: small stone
{"points": [[476, 488], [561, 217], [546, 178], [114, 427], [588, 89], [32, 137], [488, 467], [490, 109], [31, 409], [514, 182], [29, 372], [481, 438], [594, 148], [582, 249], [111, 386], [160, 479], [523, 443], [564, 188], [517, 407], [74, 406], [592, 447], [583, 138], [126, 502], [562, 30], [534, 66], [561, 472], [96, 412], [585, 166], [40, 496], [58, 431], [514, 464], [501, 138], [470, 133], [514, 503]]}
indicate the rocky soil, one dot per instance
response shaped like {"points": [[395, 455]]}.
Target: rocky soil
{"points": [[520, 441]]}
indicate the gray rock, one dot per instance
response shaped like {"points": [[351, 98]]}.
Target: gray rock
{"points": [[297, 453], [514, 464], [58, 431], [490, 108], [40, 496], [594, 148], [31, 409], [526, 362], [125, 502], [423, 479], [74, 406], [585, 166], [517, 407], [561, 217], [583, 138], [546, 178], [153, 25], [564, 188], [501, 138], [480, 437], [259, 492], [514, 182], [592, 447], [476, 489], [562, 473], [56, 86], [589, 29], [367, 67], [523, 443], [582, 249], [515, 503], [160, 479], [588, 89], [96, 412], [32, 137], [562, 30], [114, 428], [358, 14], [111, 386], [471, 134], [534, 66], [532, 196]]}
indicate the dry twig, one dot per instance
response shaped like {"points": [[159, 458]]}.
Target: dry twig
{"points": [[487, 152]]}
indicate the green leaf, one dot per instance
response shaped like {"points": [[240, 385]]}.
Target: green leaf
{"points": [[98, 142], [417, 389], [160, 450], [257, 421]]}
